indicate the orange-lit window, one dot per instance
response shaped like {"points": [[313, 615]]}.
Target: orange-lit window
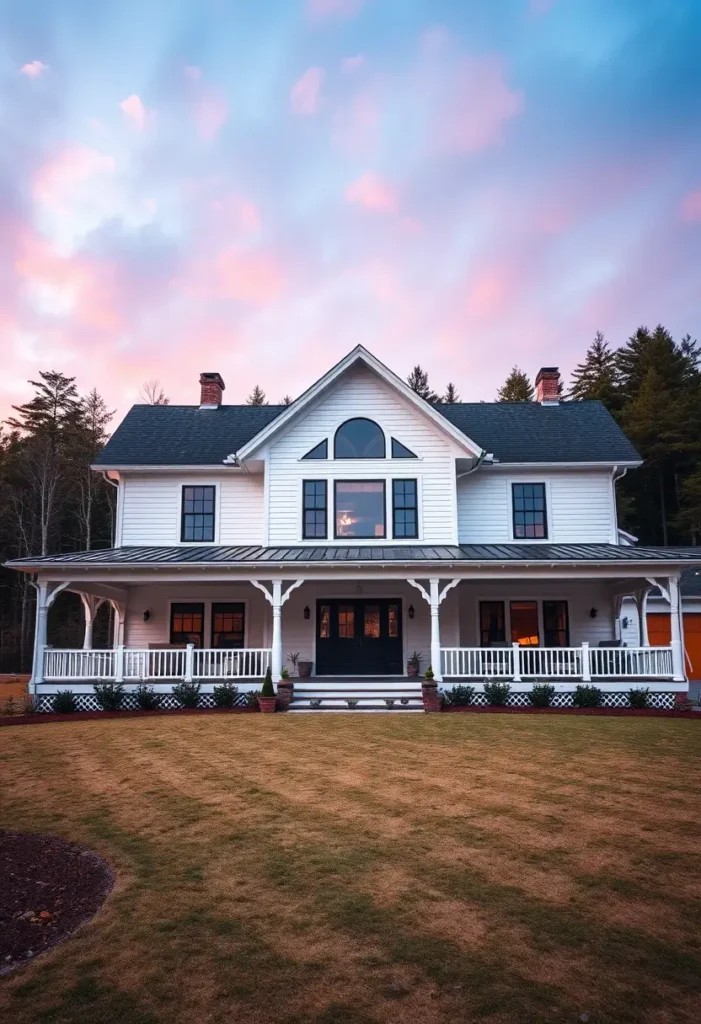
{"points": [[360, 508], [393, 616], [371, 626], [346, 621], [187, 624], [228, 625], [324, 622], [524, 623]]}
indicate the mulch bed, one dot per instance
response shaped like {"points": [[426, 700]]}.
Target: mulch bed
{"points": [[616, 712], [40, 717], [48, 887]]}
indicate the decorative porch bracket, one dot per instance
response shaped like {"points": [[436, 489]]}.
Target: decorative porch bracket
{"points": [[434, 597], [276, 599], [46, 596], [91, 604], [671, 594]]}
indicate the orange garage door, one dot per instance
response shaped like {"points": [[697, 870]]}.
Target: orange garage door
{"points": [[658, 628]]}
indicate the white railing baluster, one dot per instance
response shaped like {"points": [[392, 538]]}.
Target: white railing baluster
{"points": [[560, 663]]}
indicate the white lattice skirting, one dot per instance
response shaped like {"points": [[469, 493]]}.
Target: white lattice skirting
{"points": [[88, 701]]}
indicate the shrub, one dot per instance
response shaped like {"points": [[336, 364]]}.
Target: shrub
{"points": [[285, 674], [316, 703], [109, 696], [541, 696], [10, 707], [187, 694], [403, 700], [225, 695], [587, 697], [639, 698], [390, 703], [268, 690], [353, 703], [497, 694], [64, 702], [252, 698], [428, 674], [146, 698], [459, 696], [28, 705]]}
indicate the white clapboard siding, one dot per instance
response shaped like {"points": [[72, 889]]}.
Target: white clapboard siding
{"points": [[157, 599], [362, 393], [580, 505], [151, 507]]}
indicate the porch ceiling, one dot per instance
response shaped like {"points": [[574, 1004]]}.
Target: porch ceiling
{"points": [[465, 555]]}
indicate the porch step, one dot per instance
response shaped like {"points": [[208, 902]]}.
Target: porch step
{"points": [[371, 709], [370, 693]]}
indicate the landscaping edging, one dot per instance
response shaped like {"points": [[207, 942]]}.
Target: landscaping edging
{"points": [[78, 716], [615, 712]]}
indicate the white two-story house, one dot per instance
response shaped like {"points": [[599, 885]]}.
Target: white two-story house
{"points": [[356, 526]]}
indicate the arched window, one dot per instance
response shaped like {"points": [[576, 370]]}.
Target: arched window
{"points": [[359, 439]]}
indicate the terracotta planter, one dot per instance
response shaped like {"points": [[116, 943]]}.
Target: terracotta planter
{"points": [[267, 704], [412, 669], [305, 669], [285, 692]]}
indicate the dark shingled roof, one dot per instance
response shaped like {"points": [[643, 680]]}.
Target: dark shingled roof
{"points": [[478, 553], [185, 435]]}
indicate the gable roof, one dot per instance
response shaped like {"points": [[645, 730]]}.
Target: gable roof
{"points": [[514, 432], [360, 356]]}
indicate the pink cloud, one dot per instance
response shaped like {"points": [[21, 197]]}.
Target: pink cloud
{"points": [[319, 9], [234, 213], [34, 69], [135, 110], [254, 278], [355, 125], [691, 206], [480, 104], [351, 64], [373, 193], [211, 112], [193, 73], [56, 179], [487, 292], [305, 93]]}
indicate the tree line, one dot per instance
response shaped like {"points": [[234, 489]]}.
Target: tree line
{"points": [[51, 501]]}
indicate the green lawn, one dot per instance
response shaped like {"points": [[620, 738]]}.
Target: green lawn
{"points": [[339, 868]]}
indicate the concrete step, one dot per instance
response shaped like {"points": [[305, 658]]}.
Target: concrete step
{"points": [[376, 709]]}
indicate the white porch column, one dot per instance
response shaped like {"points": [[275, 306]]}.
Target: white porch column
{"points": [[434, 587], [120, 612], [641, 605], [90, 607], [40, 636], [276, 653], [677, 631]]}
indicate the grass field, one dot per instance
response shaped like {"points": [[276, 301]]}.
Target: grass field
{"points": [[352, 869]]}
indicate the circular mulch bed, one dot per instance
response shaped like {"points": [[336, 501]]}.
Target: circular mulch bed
{"points": [[48, 887]]}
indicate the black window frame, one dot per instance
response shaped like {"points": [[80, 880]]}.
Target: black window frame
{"points": [[397, 449], [342, 536], [551, 632], [185, 607], [184, 515], [313, 508], [486, 640], [524, 511], [218, 609], [354, 419], [405, 508], [322, 447]]}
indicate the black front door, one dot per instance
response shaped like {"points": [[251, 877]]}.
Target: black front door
{"points": [[359, 637]]}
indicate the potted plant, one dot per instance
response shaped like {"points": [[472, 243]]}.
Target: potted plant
{"points": [[413, 665], [266, 699], [293, 658], [429, 692], [285, 690], [304, 668]]}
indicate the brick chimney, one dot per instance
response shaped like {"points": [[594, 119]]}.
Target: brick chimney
{"points": [[547, 385], [211, 388]]}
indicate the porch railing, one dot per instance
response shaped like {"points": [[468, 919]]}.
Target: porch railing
{"points": [[557, 663], [158, 665]]}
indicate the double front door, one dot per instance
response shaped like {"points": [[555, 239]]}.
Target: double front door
{"points": [[359, 637]]}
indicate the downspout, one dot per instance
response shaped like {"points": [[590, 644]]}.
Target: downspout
{"points": [[483, 457], [617, 474], [113, 613]]}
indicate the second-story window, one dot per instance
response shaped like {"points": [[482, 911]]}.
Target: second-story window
{"points": [[360, 508], [404, 509], [197, 523], [530, 513], [314, 511]]}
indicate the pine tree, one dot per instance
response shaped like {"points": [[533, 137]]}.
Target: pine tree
{"points": [[257, 397], [516, 388], [597, 377], [688, 520], [56, 398], [418, 382], [451, 396], [286, 400]]}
